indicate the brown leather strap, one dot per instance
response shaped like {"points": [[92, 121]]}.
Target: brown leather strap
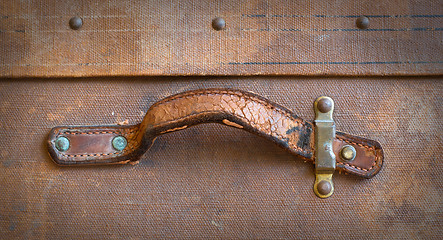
{"points": [[235, 108]]}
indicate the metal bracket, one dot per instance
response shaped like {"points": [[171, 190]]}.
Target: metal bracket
{"points": [[324, 156]]}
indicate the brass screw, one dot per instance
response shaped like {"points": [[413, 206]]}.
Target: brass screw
{"points": [[324, 187], [324, 105], [348, 153]]}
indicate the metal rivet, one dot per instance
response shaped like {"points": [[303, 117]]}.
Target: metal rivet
{"points": [[362, 22], [324, 105], [218, 23], [75, 23], [348, 153], [324, 187], [119, 143], [62, 144]]}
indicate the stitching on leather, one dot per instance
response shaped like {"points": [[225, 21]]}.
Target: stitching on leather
{"points": [[96, 154], [353, 143], [91, 155], [359, 168], [98, 132], [89, 133]]}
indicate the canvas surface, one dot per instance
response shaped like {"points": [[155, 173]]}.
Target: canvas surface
{"points": [[281, 37], [213, 181]]}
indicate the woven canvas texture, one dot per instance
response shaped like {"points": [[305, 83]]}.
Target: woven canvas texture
{"points": [[213, 181], [261, 37]]}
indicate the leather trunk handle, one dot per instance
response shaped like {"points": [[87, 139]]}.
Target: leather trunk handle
{"points": [[78, 145]]}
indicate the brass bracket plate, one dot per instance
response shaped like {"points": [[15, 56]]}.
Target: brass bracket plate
{"points": [[324, 156]]}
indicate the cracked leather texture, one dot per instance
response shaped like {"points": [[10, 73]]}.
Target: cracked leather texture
{"points": [[235, 108]]}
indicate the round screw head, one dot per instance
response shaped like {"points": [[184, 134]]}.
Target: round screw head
{"points": [[348, 153], [218, 23], [324, 187], [62, 144], [362, 22], [119, 143], [324, 105], [75, 23]]}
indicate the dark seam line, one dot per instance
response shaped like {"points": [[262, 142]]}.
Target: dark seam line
{"points": [[331, 63], [345, 30], [345, 16]]}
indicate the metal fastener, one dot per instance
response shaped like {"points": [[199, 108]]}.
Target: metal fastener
{"points": [[324, 187], [119, 143], [75, 23], [348, 153], [62, 144], [324, 156], [218, 23], [324, 105], [362, 22]]}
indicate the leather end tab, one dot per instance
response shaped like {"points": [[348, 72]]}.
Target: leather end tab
{"points": [[368, 155], [92, 145]]}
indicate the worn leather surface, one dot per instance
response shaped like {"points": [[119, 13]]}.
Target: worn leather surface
{"points": [[283, 37], [215, 181], [235, 108]]}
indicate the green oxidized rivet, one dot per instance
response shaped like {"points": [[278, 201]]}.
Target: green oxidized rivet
{"points": [[119, 143], [62, 144]]}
